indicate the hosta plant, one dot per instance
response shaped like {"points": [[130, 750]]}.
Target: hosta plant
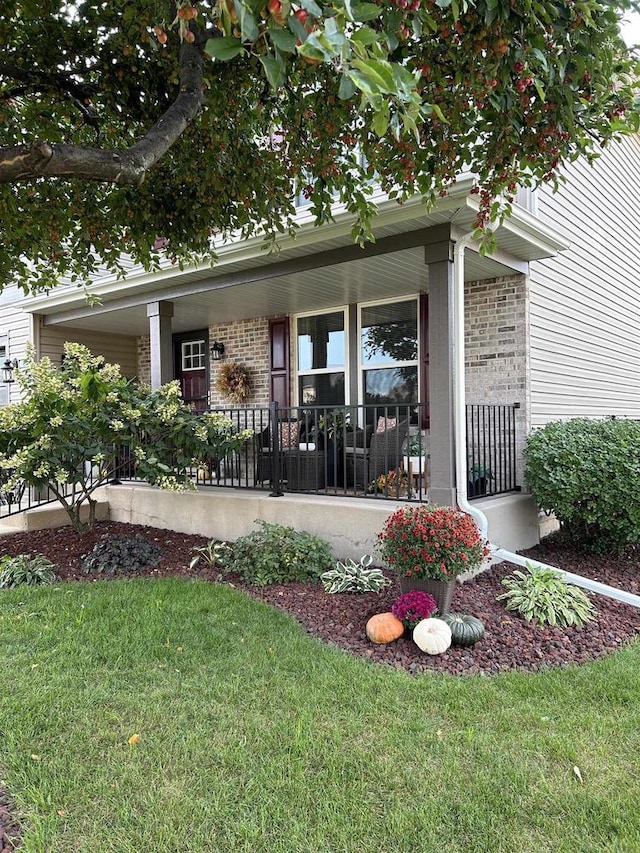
{"points": [[542, 594], [212, 554], [25, 569], [354, 577]]}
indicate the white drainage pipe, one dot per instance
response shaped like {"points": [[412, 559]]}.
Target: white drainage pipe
{"points": [[459, 420]]}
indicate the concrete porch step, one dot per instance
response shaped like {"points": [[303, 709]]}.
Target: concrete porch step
{"points": [[47, 517]]}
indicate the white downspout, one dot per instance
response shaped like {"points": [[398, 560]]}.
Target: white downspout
{"points": [[459, 426]]}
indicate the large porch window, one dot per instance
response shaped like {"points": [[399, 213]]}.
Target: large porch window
{"points": [[389, 352], [386, 343], [321, 359]]}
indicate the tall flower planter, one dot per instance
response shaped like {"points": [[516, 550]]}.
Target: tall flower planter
{"points": [[442, 591]]}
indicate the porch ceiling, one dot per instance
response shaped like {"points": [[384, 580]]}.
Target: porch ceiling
{"points": [[375, 278], [322, 268]]}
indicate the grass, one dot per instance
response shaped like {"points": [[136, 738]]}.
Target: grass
{"points": [[255, 737]]}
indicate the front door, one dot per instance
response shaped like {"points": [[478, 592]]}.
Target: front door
{"points": [[191, 360]]}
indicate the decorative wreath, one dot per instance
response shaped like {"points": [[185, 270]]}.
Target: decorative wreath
{"points": [[234, 382]]}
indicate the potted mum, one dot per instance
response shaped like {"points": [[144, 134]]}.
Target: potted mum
{"points": [[429, 547]]}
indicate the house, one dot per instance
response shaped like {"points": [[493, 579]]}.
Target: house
{"points": [[551, 332]]}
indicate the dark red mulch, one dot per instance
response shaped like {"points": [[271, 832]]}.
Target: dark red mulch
{"points": [[9, 826], [339, 620]]}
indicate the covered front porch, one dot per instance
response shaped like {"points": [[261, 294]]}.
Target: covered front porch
{"points": [[390, 308]]}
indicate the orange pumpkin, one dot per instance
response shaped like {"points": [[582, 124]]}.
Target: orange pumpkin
{"points": [[384, 628]]}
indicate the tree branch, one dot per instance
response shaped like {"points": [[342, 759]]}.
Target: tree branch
{"points": [[128, 166]]}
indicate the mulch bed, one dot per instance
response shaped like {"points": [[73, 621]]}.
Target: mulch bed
{"points": [[510, 643]]}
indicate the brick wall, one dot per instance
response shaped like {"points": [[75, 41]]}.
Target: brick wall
{"points": [[496, 347], [144, 359], [245, 342]]}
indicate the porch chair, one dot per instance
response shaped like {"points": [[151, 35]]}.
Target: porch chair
{"points": [[288, 441], [384, 454]]}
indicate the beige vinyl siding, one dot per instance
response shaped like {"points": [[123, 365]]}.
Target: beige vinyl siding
{"points": [[585, 303], [15, 324], [117, 349]]}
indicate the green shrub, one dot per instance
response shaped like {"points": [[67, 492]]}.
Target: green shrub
{"points": [[25, 569], [278, 554], [115, 555], [587, 472], [354, 577], [542, 594]]}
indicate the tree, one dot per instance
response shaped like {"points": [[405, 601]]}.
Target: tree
{"points": [[126, 121], [76, 426]]}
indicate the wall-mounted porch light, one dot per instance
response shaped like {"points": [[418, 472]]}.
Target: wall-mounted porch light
{"points": [[217, 350], [7, 370]]}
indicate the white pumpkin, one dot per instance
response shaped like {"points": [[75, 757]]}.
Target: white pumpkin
{"points": [[432, 636]]}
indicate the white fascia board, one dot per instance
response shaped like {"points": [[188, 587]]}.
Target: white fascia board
{"points": [[522, 223]]}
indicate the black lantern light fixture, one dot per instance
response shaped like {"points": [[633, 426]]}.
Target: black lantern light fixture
{"points": [[7, 370], [217, 350]]}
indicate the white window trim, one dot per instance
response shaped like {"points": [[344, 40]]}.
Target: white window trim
{"points": [[318, 371], [184, 344], [362, 367]]}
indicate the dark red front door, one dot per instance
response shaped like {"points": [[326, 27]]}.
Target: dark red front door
{"points": [[191, 359]]}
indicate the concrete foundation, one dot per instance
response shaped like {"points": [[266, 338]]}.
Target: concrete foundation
{"points": [[349, 525]]}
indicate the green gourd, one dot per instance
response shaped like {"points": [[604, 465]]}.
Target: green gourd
{"points": [[465, 630]]}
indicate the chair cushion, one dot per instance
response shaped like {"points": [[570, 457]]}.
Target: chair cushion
{"points": [[386, 423], [288, 434]]}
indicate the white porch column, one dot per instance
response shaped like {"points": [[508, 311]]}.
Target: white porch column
{"points": [[160, 315], [442, 481]]}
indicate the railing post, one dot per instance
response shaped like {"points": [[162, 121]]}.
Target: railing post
{"points": [[275, 452]]}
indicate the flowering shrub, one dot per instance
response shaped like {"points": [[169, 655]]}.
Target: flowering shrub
{"points": [[432, 542], [83, 424], [414, 606]]}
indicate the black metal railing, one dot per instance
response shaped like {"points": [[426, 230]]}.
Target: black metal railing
{"points": [[16, 496], [358, 451], [348, 450], [491, 449]]}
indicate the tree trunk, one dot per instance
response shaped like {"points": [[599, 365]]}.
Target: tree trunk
{"points": [[74, 512]]}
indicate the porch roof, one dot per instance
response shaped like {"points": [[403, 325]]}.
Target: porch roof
{"points": [[320, 268]]}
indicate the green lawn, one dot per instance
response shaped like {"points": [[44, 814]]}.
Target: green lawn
{"points": [[255, 737]]}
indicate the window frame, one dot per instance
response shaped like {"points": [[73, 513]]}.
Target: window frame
{"points": [[385, 365], [319, 371], [202, 354]]}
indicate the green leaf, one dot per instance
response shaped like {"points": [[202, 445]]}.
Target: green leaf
{"points": [[312, 7], [274, 69], [378, 73], [366, 12], [284, 40], [365, 36], [347, 88], [224, 48], [381, 121], [539, 89], [248, 26]]}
